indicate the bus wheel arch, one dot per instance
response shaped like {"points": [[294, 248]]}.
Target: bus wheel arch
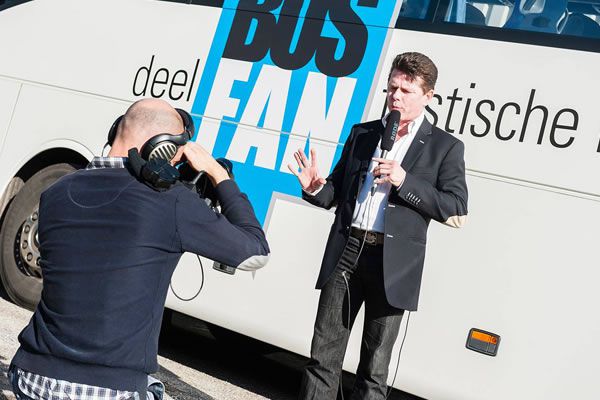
{"points": [[19, 253]]}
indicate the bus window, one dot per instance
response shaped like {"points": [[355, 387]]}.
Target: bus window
{"points": [[537, 15], [414, 9], [489, 13], [582, 19], [563, 17]]}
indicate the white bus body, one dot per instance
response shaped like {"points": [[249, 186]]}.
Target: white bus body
{"points": [[524, 267]]}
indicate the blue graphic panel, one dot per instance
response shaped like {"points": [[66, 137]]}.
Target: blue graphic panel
{"points": [[364, 24]]}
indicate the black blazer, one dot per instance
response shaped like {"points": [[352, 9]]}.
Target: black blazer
{"points": [[434, 187]]}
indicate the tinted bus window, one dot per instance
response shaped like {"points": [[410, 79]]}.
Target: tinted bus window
{"points": [[561, 17], [414, 9]]}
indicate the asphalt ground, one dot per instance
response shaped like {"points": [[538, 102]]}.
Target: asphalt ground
{"points": [[194, 365]]}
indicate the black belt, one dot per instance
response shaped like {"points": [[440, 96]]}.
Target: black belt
{"points": [[370, 238]]}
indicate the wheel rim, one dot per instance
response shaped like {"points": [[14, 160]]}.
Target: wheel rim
{"points": [[27, 247]]}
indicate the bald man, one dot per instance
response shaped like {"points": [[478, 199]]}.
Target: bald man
{"points": [[109, 244]]}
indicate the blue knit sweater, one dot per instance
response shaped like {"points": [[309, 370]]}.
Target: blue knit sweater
{"points": [[109, 245]]}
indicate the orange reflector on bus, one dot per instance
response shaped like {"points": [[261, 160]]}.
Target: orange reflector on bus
{"points": [[483, 342]]}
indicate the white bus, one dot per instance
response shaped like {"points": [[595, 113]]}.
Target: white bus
{"points": [[518, 84]]}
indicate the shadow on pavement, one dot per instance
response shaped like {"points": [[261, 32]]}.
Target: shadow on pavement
{"points": [[4, 384], [242, 361], [260, 368], [3, 293], [177, 389]]}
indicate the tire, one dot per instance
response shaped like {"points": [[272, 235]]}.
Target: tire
{"points": [[21, 277]]}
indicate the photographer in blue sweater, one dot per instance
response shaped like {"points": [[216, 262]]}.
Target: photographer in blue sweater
{"points": [[110, 241]]}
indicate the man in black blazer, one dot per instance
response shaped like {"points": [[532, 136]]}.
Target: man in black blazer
{"points": [[376, 246]]}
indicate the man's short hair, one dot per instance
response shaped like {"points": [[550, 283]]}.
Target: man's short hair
{"points": [[416, 65]]}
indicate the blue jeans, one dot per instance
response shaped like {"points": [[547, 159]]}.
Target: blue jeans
{"points": [[334, 322]]}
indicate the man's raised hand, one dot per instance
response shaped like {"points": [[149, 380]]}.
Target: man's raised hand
{"points": [[308, 176]]}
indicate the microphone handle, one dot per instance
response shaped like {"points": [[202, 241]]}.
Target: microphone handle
{"points": [[374, 188]]}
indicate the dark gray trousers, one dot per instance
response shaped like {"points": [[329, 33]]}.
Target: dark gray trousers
{"points": [[334, 322]]}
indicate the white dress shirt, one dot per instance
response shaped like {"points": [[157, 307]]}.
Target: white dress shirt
{"points": [[369, 210]]}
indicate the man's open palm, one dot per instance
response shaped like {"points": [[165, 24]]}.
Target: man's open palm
{"points": [[308, 174]]}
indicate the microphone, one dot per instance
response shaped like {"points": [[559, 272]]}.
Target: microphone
{"points": [[389, 137]]}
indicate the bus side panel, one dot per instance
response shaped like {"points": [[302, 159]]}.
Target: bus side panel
{"points": [[119, 49], [525, 267], [76, 120], [9, 92]]}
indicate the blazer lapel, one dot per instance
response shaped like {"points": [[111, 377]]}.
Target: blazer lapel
{"points": [[417, 146]]}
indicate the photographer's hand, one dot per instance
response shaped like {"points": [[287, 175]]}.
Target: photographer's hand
{"points": [[200, 160]]}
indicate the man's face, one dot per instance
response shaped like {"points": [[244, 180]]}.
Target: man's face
{"points": [[406, 96]]}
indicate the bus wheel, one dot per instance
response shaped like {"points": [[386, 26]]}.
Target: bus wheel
{"points": [[20, 255]]}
